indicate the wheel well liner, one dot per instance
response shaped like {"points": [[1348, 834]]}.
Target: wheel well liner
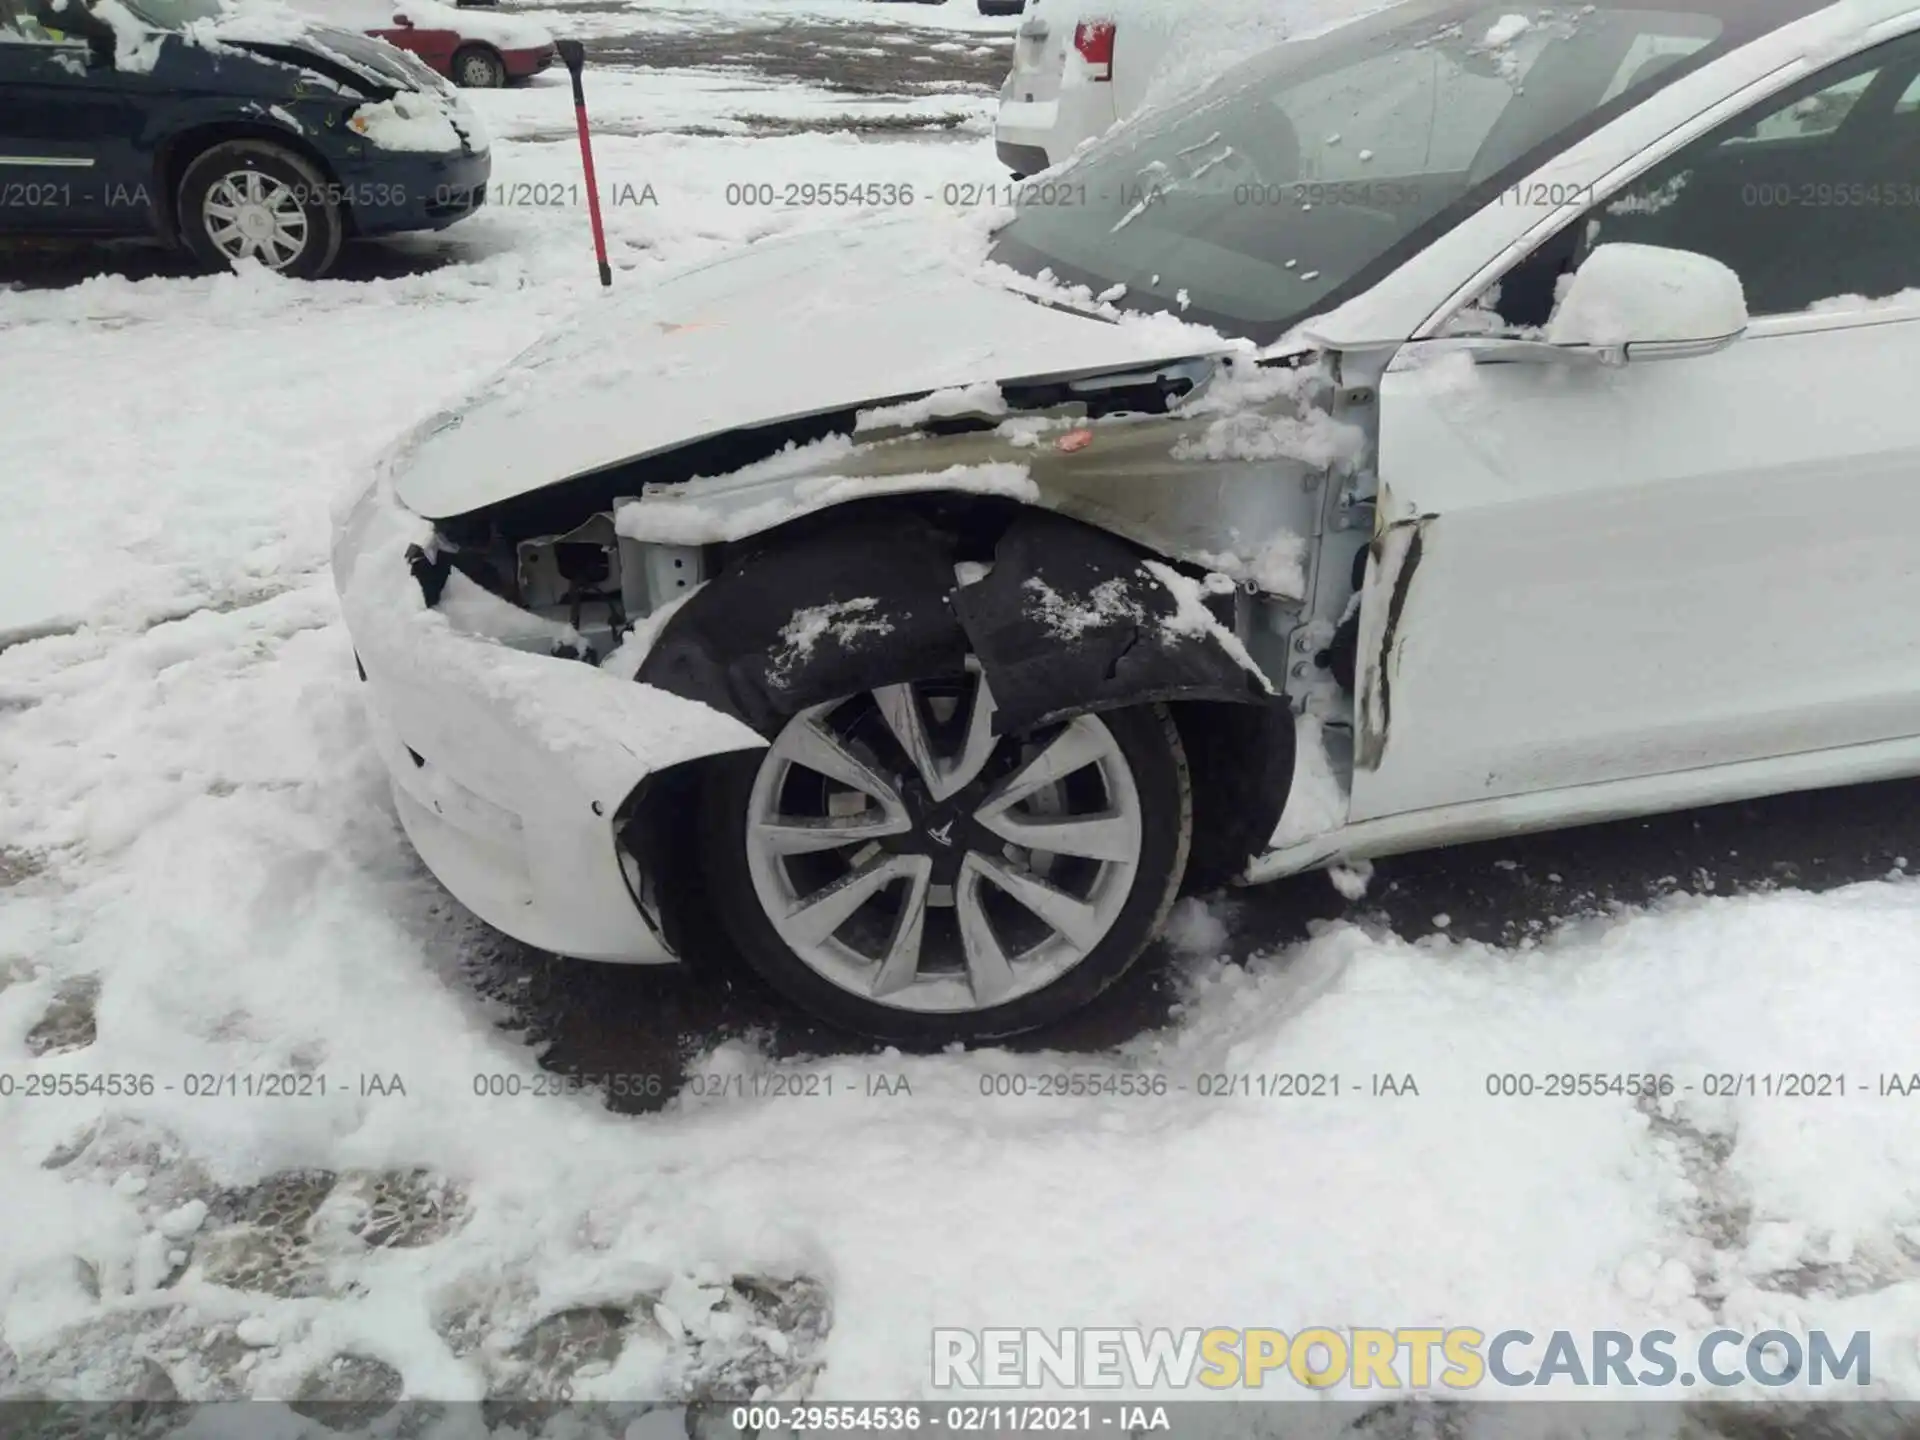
{"points": [[831, 611], [871, 598], [1068, 620]]}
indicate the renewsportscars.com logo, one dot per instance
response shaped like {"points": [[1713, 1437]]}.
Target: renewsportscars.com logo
{"points": [[1459, 1359]]}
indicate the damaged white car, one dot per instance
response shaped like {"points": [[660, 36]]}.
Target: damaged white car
{"points": [[917, 625]]}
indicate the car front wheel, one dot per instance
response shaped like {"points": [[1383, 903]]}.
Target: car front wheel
{"points": [[254, 200], [478, 68], [893, 866]]}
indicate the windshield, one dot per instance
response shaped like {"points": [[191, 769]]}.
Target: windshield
{"points": [[174, 14], [1289, 183]]}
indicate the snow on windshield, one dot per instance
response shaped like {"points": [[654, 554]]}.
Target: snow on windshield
{"points": [[1258, 202], [1194, 55]]}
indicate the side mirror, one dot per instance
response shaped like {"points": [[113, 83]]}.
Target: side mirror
{"points": [[1648, 302], [402, 21]]}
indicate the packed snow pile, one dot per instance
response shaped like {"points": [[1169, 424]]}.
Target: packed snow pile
{"points": [[408, 122]]}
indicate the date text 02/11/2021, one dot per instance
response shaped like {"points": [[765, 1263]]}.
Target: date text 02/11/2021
{"points": [[997, 1419]]}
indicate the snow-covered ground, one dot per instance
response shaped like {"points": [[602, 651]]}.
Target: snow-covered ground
{"points": [[201, 878]]}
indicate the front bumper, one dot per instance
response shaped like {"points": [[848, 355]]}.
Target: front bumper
{"points": [[509, 769], [395, 190]]}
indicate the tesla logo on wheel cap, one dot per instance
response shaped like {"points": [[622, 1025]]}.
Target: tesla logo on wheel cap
{"points": [[942, 833]]}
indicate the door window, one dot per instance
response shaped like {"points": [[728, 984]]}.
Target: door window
{"points": [[1811, 196], [1810, 118]]}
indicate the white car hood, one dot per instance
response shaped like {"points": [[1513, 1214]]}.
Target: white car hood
{"points": [[784, 329]]}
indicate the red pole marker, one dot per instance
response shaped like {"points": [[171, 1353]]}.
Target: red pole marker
{"points": [[574, 57]]}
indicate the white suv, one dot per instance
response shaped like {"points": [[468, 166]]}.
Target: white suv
{"points": [[1079, 66]]}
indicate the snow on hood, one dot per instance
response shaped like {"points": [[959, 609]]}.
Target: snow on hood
{"points": [[257, 23], [412, 122], [267, 26], [787, 328]]}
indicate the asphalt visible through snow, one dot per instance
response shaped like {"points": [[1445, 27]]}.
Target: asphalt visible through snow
{"points": [[602, 1019]]}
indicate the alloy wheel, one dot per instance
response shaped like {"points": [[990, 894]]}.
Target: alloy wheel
{"points": [[910, 856]]}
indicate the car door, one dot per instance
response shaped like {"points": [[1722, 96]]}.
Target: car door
{"points": [[1606, 574], [70, 130], [434, 44]]}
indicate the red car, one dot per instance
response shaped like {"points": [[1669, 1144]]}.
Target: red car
{"points": [[473, 50]]}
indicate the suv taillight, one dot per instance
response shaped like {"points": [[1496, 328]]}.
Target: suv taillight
{"points": [[1094, 40]]}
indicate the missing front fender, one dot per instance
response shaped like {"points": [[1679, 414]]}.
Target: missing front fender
{"points": [[1067, 620]]}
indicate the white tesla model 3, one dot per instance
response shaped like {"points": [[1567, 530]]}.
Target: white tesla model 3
{"points": [[1478, 419]]}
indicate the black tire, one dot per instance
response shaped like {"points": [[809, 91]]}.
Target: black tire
{"points": [[477, 67], [232, 160], [1151, 747]]}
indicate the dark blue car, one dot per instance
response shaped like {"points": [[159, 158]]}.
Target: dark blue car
{"points": [[236, 136]]}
